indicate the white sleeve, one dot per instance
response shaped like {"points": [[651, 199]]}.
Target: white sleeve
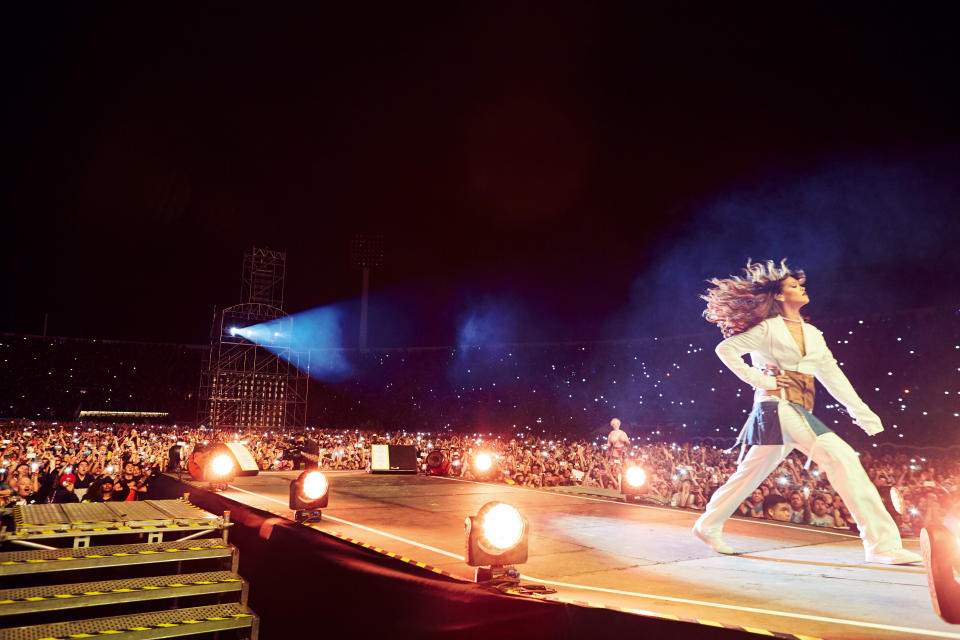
{"points": [[731, 351], [831, 376]]}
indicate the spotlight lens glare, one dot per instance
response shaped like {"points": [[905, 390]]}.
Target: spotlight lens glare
{"points": [[221, 465], [233, 331], [483, 462], [315, 485], [636, 477], [502, 527]]}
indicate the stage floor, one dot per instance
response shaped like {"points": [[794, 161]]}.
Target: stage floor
{"points": [[788, 578]]}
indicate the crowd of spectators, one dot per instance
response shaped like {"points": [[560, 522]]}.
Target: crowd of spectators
{"points": [[56, 378], [675, 388], [69, 462], [686, 475], [680, 406]]}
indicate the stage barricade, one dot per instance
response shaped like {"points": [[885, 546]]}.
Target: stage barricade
{"points": [[304, 580]]}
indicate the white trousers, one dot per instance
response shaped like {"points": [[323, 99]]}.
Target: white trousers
{"points": [[834, 457]]}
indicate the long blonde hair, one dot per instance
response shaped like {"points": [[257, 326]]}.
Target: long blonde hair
{"points": [[737, 303]]}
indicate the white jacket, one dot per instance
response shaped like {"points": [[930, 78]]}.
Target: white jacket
{"points": [[770, 343]]}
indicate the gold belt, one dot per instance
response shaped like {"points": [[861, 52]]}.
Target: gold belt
{"points": [[799, 389]]}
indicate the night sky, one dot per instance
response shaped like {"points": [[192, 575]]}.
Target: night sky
{"points": [[577, 170]]}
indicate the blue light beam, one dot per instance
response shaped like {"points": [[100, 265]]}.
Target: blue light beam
{"points": [[317, 333]]}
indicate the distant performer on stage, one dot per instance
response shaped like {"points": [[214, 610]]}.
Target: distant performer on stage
{"points": [[617, 440], [759, 314]]}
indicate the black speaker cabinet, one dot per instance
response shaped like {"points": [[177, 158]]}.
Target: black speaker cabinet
{"points": [[389, 458]]}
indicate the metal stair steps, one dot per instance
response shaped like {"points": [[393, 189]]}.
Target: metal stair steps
{"points": [[83, 594], [37, 524], [49, 560], [159, 624], [127, 601]]}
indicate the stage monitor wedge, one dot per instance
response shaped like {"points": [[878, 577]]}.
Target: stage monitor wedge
{"points": [[243, 458], [391, 458]]}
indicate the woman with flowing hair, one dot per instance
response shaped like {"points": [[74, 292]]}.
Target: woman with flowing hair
{"points": [[759, 313]]}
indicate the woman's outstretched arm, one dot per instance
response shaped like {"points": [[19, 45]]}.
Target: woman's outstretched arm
{"points": [[731, 351], [833, 380]]}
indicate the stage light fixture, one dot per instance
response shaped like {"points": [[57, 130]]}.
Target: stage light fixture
{"points": [[502, 529], [496, 538], [309, 493], [633, 483], [942, 561], [437, 464], [221, 466], [219, 469], [483, 462], [315, 486], [636, 477]]}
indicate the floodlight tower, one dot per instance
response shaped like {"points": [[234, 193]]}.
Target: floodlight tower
{"points": [[366, 252]]}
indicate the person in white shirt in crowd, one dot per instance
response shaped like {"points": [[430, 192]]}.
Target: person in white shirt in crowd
{"points": [[759, 314], [819, 513]]}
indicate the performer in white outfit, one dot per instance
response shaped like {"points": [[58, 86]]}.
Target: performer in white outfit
{"points": [[759, 314], [617, 439]]}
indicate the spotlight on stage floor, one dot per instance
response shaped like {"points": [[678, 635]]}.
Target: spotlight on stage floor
{"points": [[942, 559], [483, 462], [497, 538], [221, 463], [220, 470], [633, 483], [308, 494], [221, 466], [217, 466], [483, 465]]}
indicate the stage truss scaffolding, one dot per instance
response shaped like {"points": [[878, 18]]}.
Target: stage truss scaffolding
{"points": [[245, 385], [264, 272]]}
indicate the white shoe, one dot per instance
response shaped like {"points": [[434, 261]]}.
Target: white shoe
{"points": [[895, 556], [714, 541]]}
